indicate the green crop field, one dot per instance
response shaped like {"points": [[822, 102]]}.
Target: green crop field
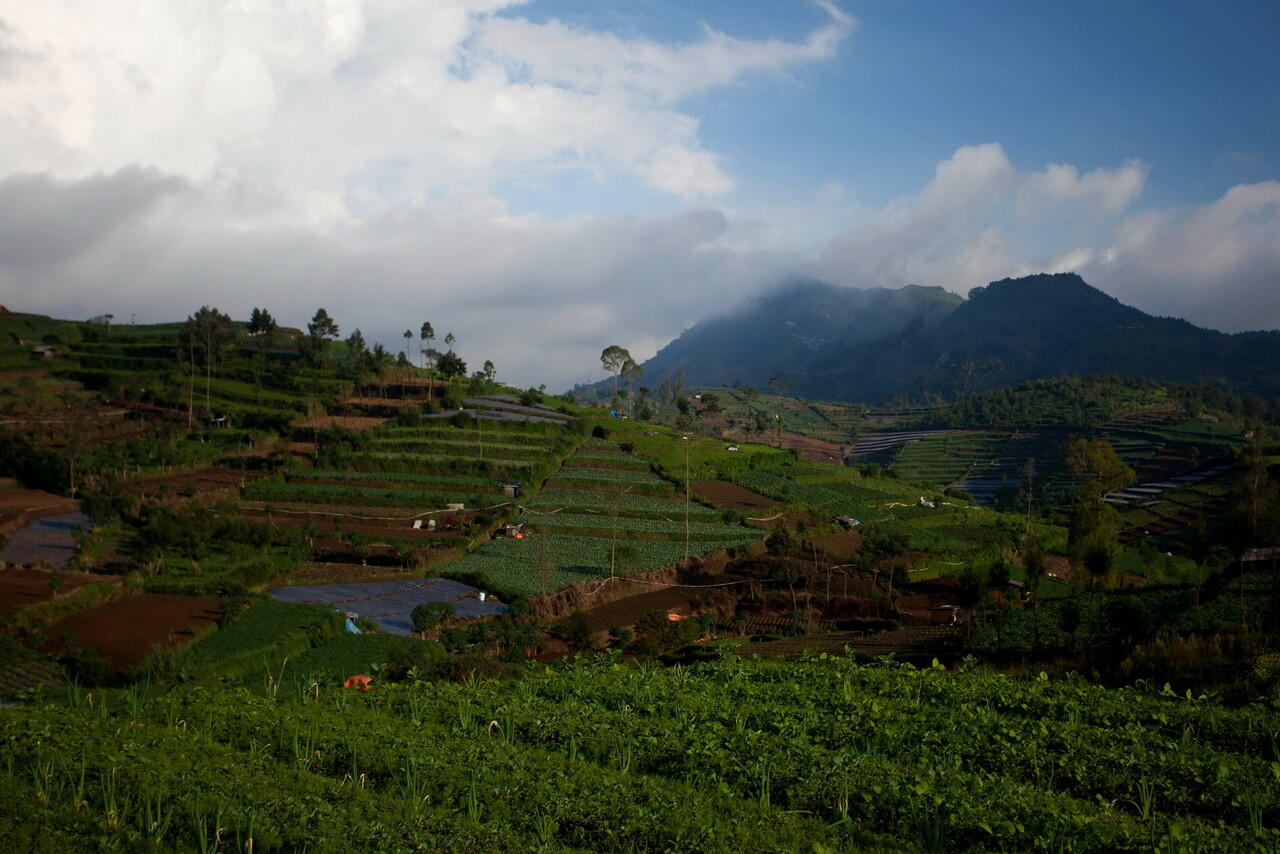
{"points": [[513, 564], [605, 523], [598, 501], [733, 756]]}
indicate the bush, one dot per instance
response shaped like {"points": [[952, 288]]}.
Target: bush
{"points": [[431, 614]]}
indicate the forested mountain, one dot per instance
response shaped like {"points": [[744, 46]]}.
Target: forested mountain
{"points": [[784, 332], [925, 344]]}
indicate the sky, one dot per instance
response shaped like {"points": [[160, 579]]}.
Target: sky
{"points": [[546, 178]]}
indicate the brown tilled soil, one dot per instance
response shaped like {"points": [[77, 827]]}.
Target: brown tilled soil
{"points": [[730, 496], [20, 506], [22, 588], [195, 483], [811, 449], [125, 631], [343, 573], [685, 601]]}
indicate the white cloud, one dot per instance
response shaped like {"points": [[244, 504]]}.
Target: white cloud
{"points": [[980, 219], [586, 61], [325, 96], [1217, 264], [942, 235], [1101, 191]]}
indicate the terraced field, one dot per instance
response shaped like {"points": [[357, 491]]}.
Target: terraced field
{"points": [[393, 486], [614, 518], [943, 458]]}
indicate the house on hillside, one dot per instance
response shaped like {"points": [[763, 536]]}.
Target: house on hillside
{"points": [[47, 352], [511, 489]]}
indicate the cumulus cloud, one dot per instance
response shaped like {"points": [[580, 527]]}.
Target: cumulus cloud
{"points": [[1217, 263], [981, 219], [327, 94], [540, 299], [1106, 191], [941, 235], [156, 155]]}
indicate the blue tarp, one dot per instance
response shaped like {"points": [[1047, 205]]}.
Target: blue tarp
{"points": [[390, 603]]}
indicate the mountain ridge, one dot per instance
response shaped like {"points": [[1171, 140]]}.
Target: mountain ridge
{"points": [[925, 344]]}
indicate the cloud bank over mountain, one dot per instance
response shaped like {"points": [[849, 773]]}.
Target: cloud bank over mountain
{"points": [[155, 156]]}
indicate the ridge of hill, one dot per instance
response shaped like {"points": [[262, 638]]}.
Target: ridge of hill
{"points": [[926, 344]]}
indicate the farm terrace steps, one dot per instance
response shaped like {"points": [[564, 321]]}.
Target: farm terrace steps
{"points": [[876, 442]]}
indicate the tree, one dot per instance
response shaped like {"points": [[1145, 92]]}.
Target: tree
{"points": [[320, 330], [359, 355], [1035, 567], [408, 336], [355, 342], [449, 341], [490, 371], [427, 334], [261, 322], [1094, 526], [614, 358], [630, 372], [207, 332], [711, 403], [1100, 466], [429, 615], [451, 365]]}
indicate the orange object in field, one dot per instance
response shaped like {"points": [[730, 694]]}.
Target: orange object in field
{"points": [[364, 683], [675, 618]]}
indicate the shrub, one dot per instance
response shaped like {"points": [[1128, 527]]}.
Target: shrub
{"points": [[429, 615]]}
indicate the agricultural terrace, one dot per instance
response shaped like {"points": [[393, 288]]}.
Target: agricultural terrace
{"points": [[392, 485], [931, 533], [605, 513], [820, 755]]}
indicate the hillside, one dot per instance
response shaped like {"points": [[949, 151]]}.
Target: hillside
{"points": [[781, 333], [925, 344]]}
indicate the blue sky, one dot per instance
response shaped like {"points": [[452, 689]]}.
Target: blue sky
{"points": [[1191, 88], [547, 178]]}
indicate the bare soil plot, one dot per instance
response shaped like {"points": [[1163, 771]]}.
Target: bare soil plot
{"points": [[730, 496], [320, 572], [19, 506], [126, 630], [811, 449], [682, 599], [22, 588], [194, 483]]}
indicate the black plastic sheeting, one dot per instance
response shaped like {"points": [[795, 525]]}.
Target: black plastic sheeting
{"points": [[390, 603]]}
